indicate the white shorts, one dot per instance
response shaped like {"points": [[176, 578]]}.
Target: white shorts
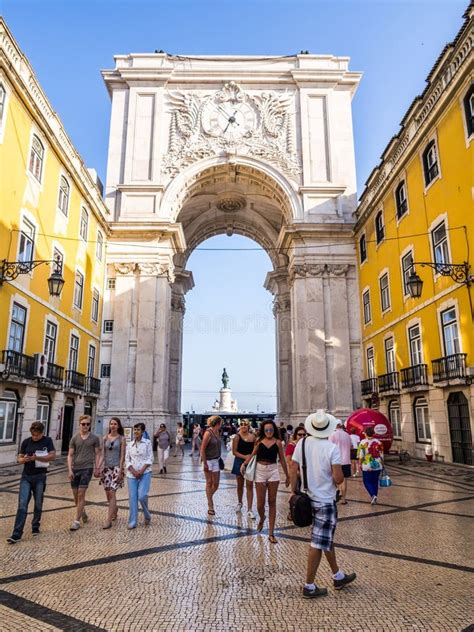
{"points": [[213, 465], [267, 473]]}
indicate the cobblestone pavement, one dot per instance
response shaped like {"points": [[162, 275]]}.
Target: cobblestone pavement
{"points": [[413, 554]]}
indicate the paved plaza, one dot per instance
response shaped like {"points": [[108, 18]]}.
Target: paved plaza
{"points": [[412, 554]]}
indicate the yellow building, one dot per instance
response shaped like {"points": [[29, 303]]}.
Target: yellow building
{"points": [[417, 207], [50, 208]]}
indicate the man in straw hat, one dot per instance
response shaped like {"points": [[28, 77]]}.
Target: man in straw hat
{"points": [[324, 472]]}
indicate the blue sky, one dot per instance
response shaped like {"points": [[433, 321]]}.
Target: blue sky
{"points": [[394, 43]]}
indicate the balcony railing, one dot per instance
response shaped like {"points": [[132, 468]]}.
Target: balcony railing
{"points": [[450, 367], [18, 364], [389, 382], [416, 375], [75, 380], [92, 385], [369, 386], [55, 374]]}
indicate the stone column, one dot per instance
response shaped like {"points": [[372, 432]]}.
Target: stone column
{"points": [[277, 284], [183, 283]]}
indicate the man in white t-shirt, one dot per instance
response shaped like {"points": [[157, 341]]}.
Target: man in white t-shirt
{"points": [[324, 472]]}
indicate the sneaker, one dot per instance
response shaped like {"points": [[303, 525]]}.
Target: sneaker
{"points": [[347, 579], [165, 470], [309, 593], [238, 508], [374, 500], [13, 540], [147, 521], [250, 515], [35, 532], [85, 517], [131, 526], [161, 471], [75, 526]]}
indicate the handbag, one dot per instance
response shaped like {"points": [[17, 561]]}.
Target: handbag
{"points": [[251, 469], [221, 463], [385, 480], [300, 503]]}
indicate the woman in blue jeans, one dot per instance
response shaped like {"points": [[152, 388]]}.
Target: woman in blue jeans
{"points": [[138, 462], [370, 455]]}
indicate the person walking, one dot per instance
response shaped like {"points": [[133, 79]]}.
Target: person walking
{"points": [[36, 453], [268, 450], [210, 457], [242, 445], [113, 461], [138, 462], [196, 439], [297, 435], [370, 454], [163, 443], [323, 473], [343, 441], [355, 440], [83, 460], [179, 440]]}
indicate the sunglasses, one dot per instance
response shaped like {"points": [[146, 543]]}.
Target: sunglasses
{"points": [[301, 434], [268, 429], [111, 446], [82, 424]]}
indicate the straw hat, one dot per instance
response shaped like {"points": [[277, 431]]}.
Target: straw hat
{"points": [[320, 424]]}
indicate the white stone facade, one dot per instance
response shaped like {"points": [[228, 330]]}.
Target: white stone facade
{"points": [[257, 146]]}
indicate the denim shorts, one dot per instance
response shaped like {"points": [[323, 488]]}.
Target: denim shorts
{"points": [[82, 478]]}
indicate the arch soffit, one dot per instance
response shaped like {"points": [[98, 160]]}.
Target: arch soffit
{"points": [[177, 191]]}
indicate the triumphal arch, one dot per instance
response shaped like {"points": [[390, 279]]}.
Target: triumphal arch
{"points": [[257, 146]]}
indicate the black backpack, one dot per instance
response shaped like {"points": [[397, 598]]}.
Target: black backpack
{"points": [[300, 503]]}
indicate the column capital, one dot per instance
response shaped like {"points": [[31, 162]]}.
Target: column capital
{"points": [[178, 302], [125, 268], [156, 269], [281, 303]]}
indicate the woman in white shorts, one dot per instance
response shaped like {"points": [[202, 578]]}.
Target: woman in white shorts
{"points": [[210, 456], [269, 451]]}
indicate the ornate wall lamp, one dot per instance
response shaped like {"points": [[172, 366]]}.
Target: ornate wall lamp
{"points": [[459, 272], [10, 270]]}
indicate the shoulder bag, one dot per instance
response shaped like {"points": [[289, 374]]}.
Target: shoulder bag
{"points": [[300, 503], [251, 469]]}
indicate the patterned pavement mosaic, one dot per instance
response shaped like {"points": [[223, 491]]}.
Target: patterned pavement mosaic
{"points": [[413, 555]]}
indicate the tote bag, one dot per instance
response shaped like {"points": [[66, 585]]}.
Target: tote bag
{"points": [[251, 469]]}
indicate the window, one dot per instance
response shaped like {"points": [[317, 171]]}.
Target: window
{"points": [[99, 246], [43, 411], [8, 410], [450, 332], [407, 265], [379, 227], [401, 200], [390, 355], [105, 370], [394, 416], [63, 198], [78, 289], [91, 361], [26, 247], [430, 163], [384, 292], [363, 249], [36, 158], [111, 284], [3, 98], [50, 341], [95, 306], [73, 353], [422, 420], [414, 343], [366, 304], [17, 329], [84, 224], [108, 326], [370, 362], [440, 244], [468, 110]]}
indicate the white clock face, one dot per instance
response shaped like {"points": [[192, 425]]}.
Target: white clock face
{"points": [[230, 120]]}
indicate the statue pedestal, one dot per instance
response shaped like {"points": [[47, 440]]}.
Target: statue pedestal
{"points": [[225, 400]]}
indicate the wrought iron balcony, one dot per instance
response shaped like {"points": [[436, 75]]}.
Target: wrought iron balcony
{"points": [[416, 375], [18, 365], [369, 386], [450, 367], [54, 374], [75, 380], [92, 385], [389, 382]]}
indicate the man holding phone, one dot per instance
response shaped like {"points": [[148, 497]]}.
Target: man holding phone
{"points": [[36, 453]]}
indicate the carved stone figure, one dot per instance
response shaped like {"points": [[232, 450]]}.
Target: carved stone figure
{"points": [[225, 379]]}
